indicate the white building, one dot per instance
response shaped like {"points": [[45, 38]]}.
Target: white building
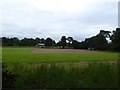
{"points": [[41, 45]]}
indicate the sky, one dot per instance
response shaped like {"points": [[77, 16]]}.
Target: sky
{"points": [[79, 19]]}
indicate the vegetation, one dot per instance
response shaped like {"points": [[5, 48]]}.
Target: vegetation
{"points": [[25, 54], [63, 42], [116, 40], [95, 75], [23, 68], [98, 42], [49, 42]]}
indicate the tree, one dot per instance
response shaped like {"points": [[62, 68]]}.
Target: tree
{"points": [[100, 42], [85, 44], [4, 41], [70, 41], [15, 41], [97, 42], [106, 34], [42, 40], [116, 40], [37, 40], [48, 42], [27, 42], [63, 42], [76, 44], [10, 41], [92, 42], [54, 43]]}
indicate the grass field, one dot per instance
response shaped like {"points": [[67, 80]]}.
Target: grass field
{"points": [[23, 68], [25, 55]]}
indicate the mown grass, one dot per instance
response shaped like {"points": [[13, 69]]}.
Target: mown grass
{"points": [[25, 55], [95, 75]]}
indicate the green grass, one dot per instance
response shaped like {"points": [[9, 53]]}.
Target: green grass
{"points": [[95, 75], [55, 70], [25, 55]]}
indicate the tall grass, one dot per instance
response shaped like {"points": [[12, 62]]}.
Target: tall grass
{"points": [[95, 75]]}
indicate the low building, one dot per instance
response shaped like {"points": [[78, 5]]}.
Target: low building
{"points": [[42, 45]]}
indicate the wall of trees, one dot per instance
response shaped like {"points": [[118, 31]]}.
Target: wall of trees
{"points": [[98, 42]]}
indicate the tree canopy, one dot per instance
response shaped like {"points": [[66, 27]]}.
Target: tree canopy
{"points": [[116, 40], [98, 42]]}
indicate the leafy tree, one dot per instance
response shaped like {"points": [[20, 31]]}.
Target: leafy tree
{"points": [[63, 42], [10, 41], [97, 42], [54, 43], [27, 42], [70, 41], [85, 44], [15, 41], [106, 34], [92, 42], [42, 40], [116, 39], [48, 42], [100, 42], [76, 44], [4, 41], [37, 40]]}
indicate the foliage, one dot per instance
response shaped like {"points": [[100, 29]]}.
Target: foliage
{"points": [[76, 44], [8, 78], [116, 40], [100, 42], [63, 42], [70, 41], [97, 42], [23, 42], [106, 34], [95, 75], [48, 42]]}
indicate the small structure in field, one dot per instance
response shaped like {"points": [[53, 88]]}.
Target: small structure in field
{"points": [[91, 48], [42, 45]]}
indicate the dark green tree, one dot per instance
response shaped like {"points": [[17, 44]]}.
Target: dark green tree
{"points": [[97, 42], [5, 41], [70, 41], [42, 40], [106, 34], [54, 43], [48, 42], [100, 42], [37, 41], [76, 44], [15, 41], [116, 40], [27, 42], [63, 42]]}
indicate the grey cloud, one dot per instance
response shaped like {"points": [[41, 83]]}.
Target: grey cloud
{"points": [[25, 21]]}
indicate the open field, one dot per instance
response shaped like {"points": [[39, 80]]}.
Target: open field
{"points": [[37, 55], [58, 68], [77, 51]]}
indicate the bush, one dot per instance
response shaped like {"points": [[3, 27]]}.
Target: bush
{"points": [[8, 78]]}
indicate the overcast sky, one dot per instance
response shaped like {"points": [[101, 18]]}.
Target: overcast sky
{"points": [[55, 18]]}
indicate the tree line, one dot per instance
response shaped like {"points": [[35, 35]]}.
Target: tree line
{"points": [[98, 42]]}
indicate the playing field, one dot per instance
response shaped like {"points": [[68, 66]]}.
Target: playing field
{"points": [[38, 55], [59, 68]]}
